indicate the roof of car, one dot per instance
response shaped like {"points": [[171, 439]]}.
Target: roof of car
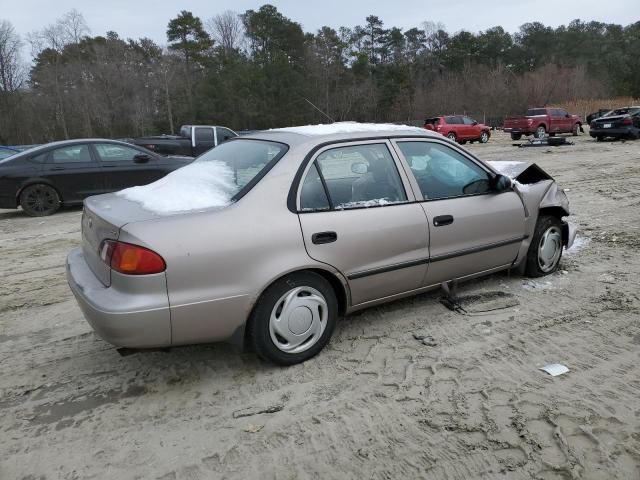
{"points": [[339, 131]]}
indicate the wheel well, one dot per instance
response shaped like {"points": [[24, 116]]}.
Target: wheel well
{"points": [[557, 212], [36, 183]]}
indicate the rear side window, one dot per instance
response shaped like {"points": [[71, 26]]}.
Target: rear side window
{"points": [[313, 196], [204, 134], [110, 152], [533, 112], [442, 172], [72, 154], [453, 120], [361, 176]]}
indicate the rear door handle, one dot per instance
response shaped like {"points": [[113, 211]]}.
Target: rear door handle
{"points": [[442, 220], [324, 237], [57, 168]]}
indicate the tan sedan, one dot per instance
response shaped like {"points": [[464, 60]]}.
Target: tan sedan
{"points": [[267, 239]]}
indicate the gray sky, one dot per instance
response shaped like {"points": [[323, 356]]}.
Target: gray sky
{"points": [[149, 18]]}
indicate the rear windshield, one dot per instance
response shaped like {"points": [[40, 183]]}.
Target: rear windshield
{"points": [[248, 159], [533, 112], [623, 111]]}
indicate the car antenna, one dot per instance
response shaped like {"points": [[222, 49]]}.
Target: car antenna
{"points": [[309, 102]]}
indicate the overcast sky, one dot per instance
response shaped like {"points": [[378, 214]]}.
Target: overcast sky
{"points": [[149, 18]]}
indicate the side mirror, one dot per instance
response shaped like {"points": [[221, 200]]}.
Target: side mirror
{"points": [[141, 158], [568, 115], [474, 123], [359, 168], [500, 183]]}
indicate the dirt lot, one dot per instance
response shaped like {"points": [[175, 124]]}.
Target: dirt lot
{"points": [[469, 402]]}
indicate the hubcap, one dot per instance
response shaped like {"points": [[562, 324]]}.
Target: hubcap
{"points": [[298, 319], [484, 137], [549, 249], [541, 132], [451, 136]]}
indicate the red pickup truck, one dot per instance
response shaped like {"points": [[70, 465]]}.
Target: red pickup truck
{"points": [[542, 121]]}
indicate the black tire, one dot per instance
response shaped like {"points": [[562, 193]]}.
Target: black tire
{"points": [[534, 268], [541, 131], [484, 137], [576, 130], [599, 138], [39, 200], [463, 142], [258, 327], [516, 136], [452, 136]]}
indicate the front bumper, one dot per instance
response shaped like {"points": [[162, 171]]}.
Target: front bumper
{"points": [[133, 312]]}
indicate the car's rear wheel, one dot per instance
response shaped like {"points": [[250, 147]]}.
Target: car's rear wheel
{"points": [[294, 318], [545, 250], [516, 136], [484, 137], [451, 136], [39, 200], [540, 132]]}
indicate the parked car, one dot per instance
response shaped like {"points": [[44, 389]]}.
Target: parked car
{"points": [[619, 123], [302, 225], [192, 141], [43, 178], [459, 128], [6, 152], [542, 121]]}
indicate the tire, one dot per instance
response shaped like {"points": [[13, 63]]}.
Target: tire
{"points": [[599, 138], [463, 142], [452, 136], [576, 130], [541, 131], [484, 137], [39, 200], [309, 305], [546, 246], [516, 136]]}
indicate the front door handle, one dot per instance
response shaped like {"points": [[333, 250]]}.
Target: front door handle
{"points": [[324, 237], [442, 220], [58, 168]]}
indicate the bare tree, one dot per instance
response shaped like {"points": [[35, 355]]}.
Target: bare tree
{"points": [[11, 67], [227, 30]]}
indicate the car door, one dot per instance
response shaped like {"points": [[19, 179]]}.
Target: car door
{"points": [[357, 214], [473, 229], [558, 120], [471, 128], [74, 171], [122, 170]]}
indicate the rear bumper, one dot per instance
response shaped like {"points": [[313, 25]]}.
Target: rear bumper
{"points": [[133, 312], [614, 132]]}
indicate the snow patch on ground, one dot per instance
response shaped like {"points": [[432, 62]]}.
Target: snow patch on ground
{"points": [[196, 186], [347, 127], [578, 244], [537, 286]]}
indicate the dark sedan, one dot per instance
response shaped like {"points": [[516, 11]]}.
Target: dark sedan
{"points": [[618, 123], [43, 178]]}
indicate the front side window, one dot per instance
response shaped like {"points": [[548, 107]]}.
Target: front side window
{"points": [[361, 176], [442, 172], [468, 121], [224, 134], [110, 152], [243, 161], [72, 154]]}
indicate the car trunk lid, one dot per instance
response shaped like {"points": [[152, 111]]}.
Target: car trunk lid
{"points": [[611, 121], [102, 218]]}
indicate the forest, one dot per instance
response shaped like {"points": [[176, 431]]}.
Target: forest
{"points": [[260, 69]]}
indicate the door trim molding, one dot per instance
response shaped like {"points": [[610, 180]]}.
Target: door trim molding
{"points": [[436, 258]]}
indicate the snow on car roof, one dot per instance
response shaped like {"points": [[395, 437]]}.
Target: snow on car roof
{"points": [[347, 127]]}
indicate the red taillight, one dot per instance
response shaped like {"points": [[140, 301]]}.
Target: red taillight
{"points": [[131, 259], [627, 121]]}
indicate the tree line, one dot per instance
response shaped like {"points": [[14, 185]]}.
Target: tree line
{"points": [[259, 69]]}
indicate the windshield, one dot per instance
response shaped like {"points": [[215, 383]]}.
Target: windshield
{"points": [[6, 153], [247, 159], [622, 111]]}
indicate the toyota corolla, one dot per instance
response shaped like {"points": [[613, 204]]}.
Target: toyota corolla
{"points": [[269, 238]]}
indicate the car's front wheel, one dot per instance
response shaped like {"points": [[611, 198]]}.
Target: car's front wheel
{"points": [[294, 318], [546, 246], [451, 136], [576, 130], [484, 137], [39, 200], [540, 132]]}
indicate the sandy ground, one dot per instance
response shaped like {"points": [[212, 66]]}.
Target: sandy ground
{"points": [[468, 402]]}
